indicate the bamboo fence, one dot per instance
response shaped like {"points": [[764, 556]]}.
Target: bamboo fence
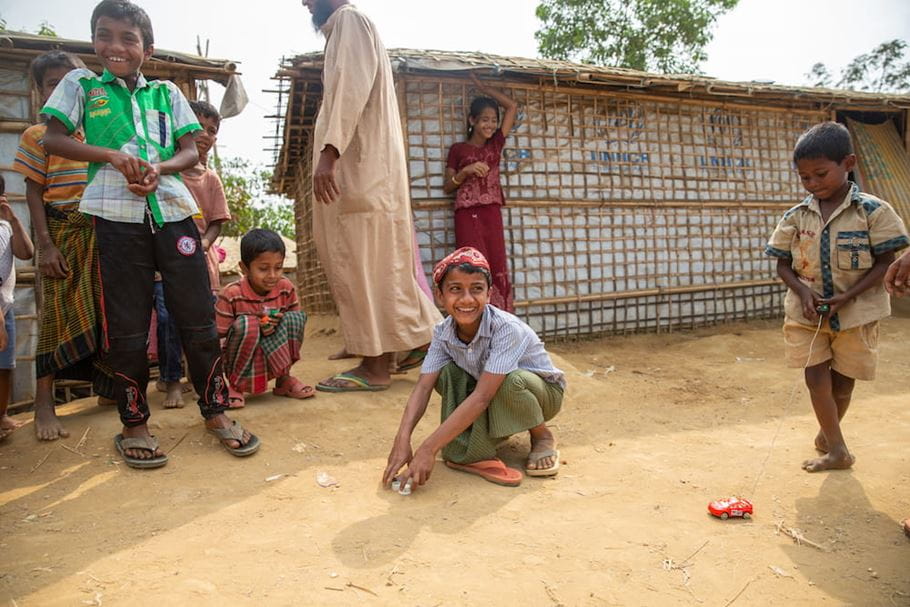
{"points": [[626, 211]]}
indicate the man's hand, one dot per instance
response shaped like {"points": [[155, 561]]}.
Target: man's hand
{"points": [[420, 469], [149, 181], [897, 278], [834, 304], [399, 457], [52, 263], [325, 189], [6, 211], [131, 167], [810, 301]]}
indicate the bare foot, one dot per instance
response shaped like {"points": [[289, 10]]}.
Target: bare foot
{"points": [[341, 355], [542, 440], [173, 398], [223, 421], [7, 423], [104, 401], [140, 432], [836, 459], [906, 525], [163, 386], [821, 443], [47, 425]]}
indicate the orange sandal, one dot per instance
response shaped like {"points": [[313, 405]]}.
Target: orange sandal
{"points": [[493, 470], [294, 388]]}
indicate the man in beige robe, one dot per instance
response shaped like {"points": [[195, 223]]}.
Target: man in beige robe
{"points": [[362, 210]]}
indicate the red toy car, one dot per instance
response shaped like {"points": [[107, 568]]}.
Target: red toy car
{"points": [[731, 506]]}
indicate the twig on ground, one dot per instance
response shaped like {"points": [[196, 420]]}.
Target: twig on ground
{"points": [[683, 566], [177, 444], [84, 438], [798, 536], [699, 549], [552, 594], [71, 450], [392, 573], [43, 459], [742, 590], [353, 585], [334, 588]]}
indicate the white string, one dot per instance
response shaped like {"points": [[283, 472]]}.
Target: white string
{"points": [[780, 422]]}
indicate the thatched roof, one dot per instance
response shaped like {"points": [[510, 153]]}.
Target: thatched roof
{"points": [[299, 91], [22, 45], [565, 73]]}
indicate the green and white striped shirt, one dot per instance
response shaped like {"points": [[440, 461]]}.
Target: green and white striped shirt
{"points": [[145, 123]]}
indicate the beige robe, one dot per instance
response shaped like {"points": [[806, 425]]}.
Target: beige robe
{"points": [[364, 239]]}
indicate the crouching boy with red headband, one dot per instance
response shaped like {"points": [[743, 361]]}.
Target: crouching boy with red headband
{"points": [[495, 378]]}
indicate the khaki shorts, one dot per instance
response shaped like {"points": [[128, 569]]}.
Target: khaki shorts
{"points": [[853, 352]]}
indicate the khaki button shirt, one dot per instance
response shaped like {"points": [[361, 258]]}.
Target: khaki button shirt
{"points": [[830, 257]]}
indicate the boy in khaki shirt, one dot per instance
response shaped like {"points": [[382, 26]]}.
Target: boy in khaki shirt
{"points": [[832, 252]]}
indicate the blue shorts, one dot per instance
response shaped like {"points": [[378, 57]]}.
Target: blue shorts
{"points": [[8, 356]]}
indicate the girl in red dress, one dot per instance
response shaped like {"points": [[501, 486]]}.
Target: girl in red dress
{"points": [[472, 172]]}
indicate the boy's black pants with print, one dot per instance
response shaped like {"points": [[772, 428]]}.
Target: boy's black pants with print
{"points": [[130, 253]]}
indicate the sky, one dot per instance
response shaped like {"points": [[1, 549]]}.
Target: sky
{"points": [[775, 40]]}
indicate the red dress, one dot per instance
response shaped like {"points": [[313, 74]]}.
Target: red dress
{"points": [[478, 218]]}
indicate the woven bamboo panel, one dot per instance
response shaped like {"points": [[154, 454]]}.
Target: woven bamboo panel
{"points": [[625, 212], [599, 147]]}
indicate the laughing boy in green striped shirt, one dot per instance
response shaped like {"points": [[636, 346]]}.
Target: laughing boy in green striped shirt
{"points": [[138, 137]]}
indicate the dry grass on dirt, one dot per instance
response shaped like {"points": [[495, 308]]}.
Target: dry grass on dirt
{"points": [[654, 426]]}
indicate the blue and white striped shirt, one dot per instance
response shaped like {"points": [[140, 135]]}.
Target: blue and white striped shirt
{"points": [[504, 343]]}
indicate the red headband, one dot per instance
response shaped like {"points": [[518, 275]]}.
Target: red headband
{"points": [[463, 255]]}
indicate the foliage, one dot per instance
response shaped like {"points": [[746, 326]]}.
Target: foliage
{"points": [[251, 206], [46, 29], [652, 35], [882, 70], [2, 24]]}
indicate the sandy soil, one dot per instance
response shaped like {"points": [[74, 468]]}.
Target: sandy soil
{"points": [[653, 428]]}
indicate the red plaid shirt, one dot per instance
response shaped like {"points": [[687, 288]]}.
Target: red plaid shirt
{"points": [[239, 299]]}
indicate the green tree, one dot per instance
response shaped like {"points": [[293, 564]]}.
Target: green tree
{"points": [[251, 206], [46, 29], [668, 36], [882, 70]]}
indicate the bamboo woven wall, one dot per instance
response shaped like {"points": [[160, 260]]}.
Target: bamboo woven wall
{"points": [[626, 212]]}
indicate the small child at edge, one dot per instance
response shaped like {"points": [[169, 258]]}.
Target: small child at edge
{"points": [[832, 252]]}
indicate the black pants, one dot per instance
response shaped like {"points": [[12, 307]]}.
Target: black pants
{"points": [[130, 254]]}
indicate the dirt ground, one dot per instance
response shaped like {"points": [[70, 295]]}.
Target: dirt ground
{"points": [[653, 427]]}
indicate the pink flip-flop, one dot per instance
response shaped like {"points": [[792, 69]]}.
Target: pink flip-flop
{"points": [[493, 470], [235, 399], [294, 388]]}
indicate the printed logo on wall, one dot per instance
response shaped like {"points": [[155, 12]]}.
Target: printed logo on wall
{"points": [[186, 246]]}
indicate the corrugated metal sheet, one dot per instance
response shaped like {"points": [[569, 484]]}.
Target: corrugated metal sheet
{"points": [[884, 165]]}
